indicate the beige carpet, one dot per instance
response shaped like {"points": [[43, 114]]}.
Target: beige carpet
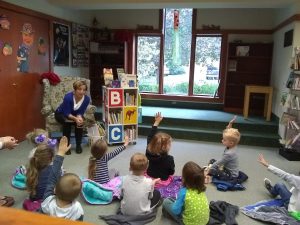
{"points": [[182, 151]]}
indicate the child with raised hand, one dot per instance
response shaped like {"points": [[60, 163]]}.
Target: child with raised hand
{"points": [[290, 197], [138, 194], [40, 137], [161, 164], [191, 206], [61, 192], [38, 171], [226, 168], [98, 168]]}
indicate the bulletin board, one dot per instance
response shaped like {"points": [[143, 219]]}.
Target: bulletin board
{"points": [[80, 45]]}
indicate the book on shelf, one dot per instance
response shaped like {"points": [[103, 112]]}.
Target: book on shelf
{"points": [[131, 79], [242, 50], [293, 125], [232, 65], [286, 117]]}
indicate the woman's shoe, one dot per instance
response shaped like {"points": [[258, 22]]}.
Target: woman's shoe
{"points": [[78, 149], [6, 201]]}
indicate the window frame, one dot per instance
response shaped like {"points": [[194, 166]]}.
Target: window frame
{"points": [[195, 33]]}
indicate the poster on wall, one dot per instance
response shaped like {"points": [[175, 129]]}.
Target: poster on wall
{"points": [[61, 44], [80, 45], [24, 48]]}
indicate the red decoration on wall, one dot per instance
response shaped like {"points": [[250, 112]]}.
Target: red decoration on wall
{"points": [[176, 19]]}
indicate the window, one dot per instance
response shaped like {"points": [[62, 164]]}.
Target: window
{"points": [[177, 50], [148, 61], [207, 65], [180, 62]]}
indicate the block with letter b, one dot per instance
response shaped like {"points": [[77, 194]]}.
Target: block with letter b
{"points": [[115, 97]]}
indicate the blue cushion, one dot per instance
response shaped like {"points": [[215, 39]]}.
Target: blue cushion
{"points": [[95, 194]]}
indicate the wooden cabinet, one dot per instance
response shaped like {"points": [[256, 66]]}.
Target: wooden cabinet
{"points": [[120, 114], [247, 64], [105, 54]]}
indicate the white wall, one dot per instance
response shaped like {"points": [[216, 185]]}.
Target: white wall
{"points": [[126, 19], [44, 7], [236, 18]]}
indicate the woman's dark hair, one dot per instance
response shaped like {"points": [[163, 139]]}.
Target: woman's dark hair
{"points": [[193, 176]]}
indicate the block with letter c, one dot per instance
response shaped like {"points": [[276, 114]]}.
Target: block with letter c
{"points": [[115, 133]]}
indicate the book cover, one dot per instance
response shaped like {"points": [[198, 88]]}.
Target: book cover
{"points": [[232, 65], [131, 79], [130, 115], [242, 50]]}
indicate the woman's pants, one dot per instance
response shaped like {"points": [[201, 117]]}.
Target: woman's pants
{"points": [[67, 125]]}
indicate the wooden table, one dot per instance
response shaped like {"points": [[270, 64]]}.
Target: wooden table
{"points": [[267, 90]]}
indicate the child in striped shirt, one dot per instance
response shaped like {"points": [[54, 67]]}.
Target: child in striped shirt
{"points": [[98, 168]]}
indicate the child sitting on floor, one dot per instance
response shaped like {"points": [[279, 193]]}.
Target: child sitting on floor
{"points": [[161, 164], [226, 168], [138, 194], [61, 192], [38, 137], [98, 168], [38, 171], [290, 197], [191, 205]]}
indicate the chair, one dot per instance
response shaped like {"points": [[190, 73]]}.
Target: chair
{"points": [[53, 97]]}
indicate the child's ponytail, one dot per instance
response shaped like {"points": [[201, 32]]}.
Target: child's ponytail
{"points": [[41, 159], [92, 168], [32, 177]]}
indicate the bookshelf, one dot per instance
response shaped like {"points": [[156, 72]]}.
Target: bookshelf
{"points": [[120, 113], [247, 64], [105, 54], [290, 119]]}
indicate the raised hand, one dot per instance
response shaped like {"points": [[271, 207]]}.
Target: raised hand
{"points": [[63, 146], [9, 142], [262, 160], [231, 122], [158, 119], [126, 140]]}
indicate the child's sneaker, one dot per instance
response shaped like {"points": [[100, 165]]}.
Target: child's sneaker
{"points": [[268, 185]]}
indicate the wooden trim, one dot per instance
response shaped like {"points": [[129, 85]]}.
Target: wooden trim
{"points": [[181, 98], [192, 56], [286, 22]]}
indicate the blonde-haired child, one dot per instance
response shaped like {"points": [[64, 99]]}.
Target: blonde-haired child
{"points": [[229, 160], [98, 168], [61, 191], [39, 137], [161, 164], [191, 205], [38, 171], [138, 194]]}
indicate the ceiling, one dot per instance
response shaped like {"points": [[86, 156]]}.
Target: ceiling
{"points": [[158, 4]]}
